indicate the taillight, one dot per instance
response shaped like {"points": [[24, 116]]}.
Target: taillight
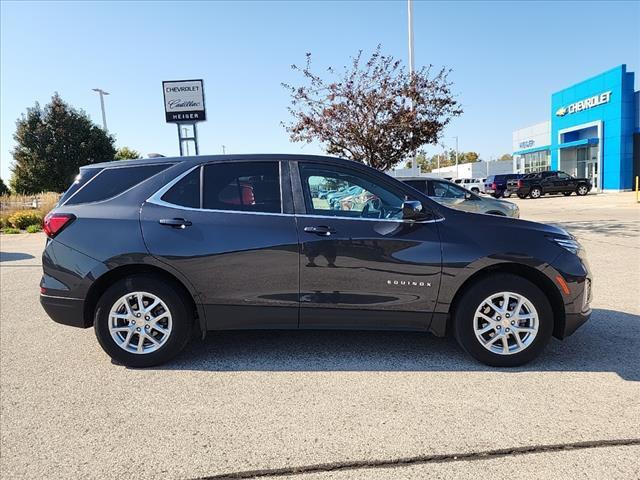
{"points": [[54, 223], [519, 183], [494, 185]]}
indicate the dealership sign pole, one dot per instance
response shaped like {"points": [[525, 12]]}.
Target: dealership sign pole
{"points": [[184, 106]]}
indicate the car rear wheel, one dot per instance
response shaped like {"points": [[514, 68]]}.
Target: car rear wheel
{"points": [[535, 192], [141, 322], [522, 196], [566, 194], [503, 320], [582, 190]]}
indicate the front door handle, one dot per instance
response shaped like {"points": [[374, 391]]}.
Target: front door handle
{"points": [[320, 230], [175, 222]]}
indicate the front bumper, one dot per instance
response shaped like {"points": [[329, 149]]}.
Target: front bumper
{"points": [[573, 321], [67, 311]]}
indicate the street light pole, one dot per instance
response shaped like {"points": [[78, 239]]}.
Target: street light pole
{"points": [[414, 163], [457, 169], [104, 116]]}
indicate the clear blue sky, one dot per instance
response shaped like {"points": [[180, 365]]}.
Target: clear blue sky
{"points": [[507, 58]]}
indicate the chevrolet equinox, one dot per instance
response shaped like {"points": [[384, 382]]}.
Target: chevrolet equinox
{"points": [[153, 252]]}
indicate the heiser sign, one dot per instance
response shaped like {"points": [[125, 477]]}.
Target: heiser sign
{"points": [[184, 101], [585, 104]]}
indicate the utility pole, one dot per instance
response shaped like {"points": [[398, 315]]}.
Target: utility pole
{"points": [[224, 149], [104, 116]]}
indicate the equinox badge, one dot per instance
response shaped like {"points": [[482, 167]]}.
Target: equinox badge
{"points": [[408, 283]]}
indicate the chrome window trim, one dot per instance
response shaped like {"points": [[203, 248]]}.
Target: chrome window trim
{"points": [[156, 199]]}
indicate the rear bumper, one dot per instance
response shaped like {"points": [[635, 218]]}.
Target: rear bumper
{"points": [[67, 311]]}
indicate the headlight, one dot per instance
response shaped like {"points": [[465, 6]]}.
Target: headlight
{"points": [[569, 244]]}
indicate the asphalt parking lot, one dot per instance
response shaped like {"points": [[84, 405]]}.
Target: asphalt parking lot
{"points": [[337, 405]]}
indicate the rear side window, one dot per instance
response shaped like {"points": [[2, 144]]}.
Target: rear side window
{"points": [[83, 177], [186, 192], [242, 186], [113, 181], [420, 185]]}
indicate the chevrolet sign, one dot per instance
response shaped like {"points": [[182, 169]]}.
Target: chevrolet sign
{"points": [[585, 104]]}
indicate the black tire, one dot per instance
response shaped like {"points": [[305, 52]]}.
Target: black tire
{"points": [[463, 319], [475, 190], [522, 196], [566, 194], [496, 195], [582, 190], [181, 314], [535, 192], [496, 212]]}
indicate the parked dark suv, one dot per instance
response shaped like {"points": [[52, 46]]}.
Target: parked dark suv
{"points": [[150, 252], [496, 185]]}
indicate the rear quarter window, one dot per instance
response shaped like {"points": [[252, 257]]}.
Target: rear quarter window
{"points": [[113, 181]]}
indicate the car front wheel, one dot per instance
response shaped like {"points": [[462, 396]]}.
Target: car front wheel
{"points": [[141, 321], [503, 321], [582, 190]]}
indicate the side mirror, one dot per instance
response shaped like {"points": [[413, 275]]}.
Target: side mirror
{"points": [[412, 210]]}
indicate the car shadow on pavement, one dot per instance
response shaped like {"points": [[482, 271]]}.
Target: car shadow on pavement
{"points": [[14, 256], [609, 342]]}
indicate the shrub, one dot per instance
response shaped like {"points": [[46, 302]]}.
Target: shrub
{"points": [[10, 230], [4, 221], [35, 228], [24, 218]]}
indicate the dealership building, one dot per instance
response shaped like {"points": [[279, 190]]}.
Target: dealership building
{"points": [[594, 132]]}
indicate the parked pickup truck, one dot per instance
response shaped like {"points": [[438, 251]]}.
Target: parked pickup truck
{"points": [[535, 185]]}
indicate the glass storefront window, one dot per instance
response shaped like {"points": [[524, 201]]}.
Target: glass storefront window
{"points": [[534, 162]]}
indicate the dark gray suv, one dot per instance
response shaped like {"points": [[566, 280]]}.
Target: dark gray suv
{"points": [[152, 252]]}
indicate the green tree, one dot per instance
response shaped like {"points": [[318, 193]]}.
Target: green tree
{"points": [[126, 153], [4, 190], [506, 156], [374, 112], [52, 144]]}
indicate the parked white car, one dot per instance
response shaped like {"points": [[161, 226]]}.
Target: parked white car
{"points": [[475, 185]]}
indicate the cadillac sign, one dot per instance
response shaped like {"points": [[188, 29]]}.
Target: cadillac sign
{"points": [[184, 101], [585, 104]]}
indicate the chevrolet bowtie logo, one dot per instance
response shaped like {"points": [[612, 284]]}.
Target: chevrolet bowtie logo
{"points": [[561, 112]]}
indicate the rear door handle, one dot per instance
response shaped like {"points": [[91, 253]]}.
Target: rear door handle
{"points": [[175, 222], [320, 230]]}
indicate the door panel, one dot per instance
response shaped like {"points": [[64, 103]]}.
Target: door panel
{"points": [[359, 272], [238, 261]]}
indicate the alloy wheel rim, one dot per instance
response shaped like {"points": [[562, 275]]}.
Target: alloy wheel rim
{"points": [[582, 190], [506, 323], [535, 193], [140, 322]]}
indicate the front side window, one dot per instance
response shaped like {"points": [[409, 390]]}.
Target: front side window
{"points": [[563, 176], [344, 193], [440, 189], [242, 186]]}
